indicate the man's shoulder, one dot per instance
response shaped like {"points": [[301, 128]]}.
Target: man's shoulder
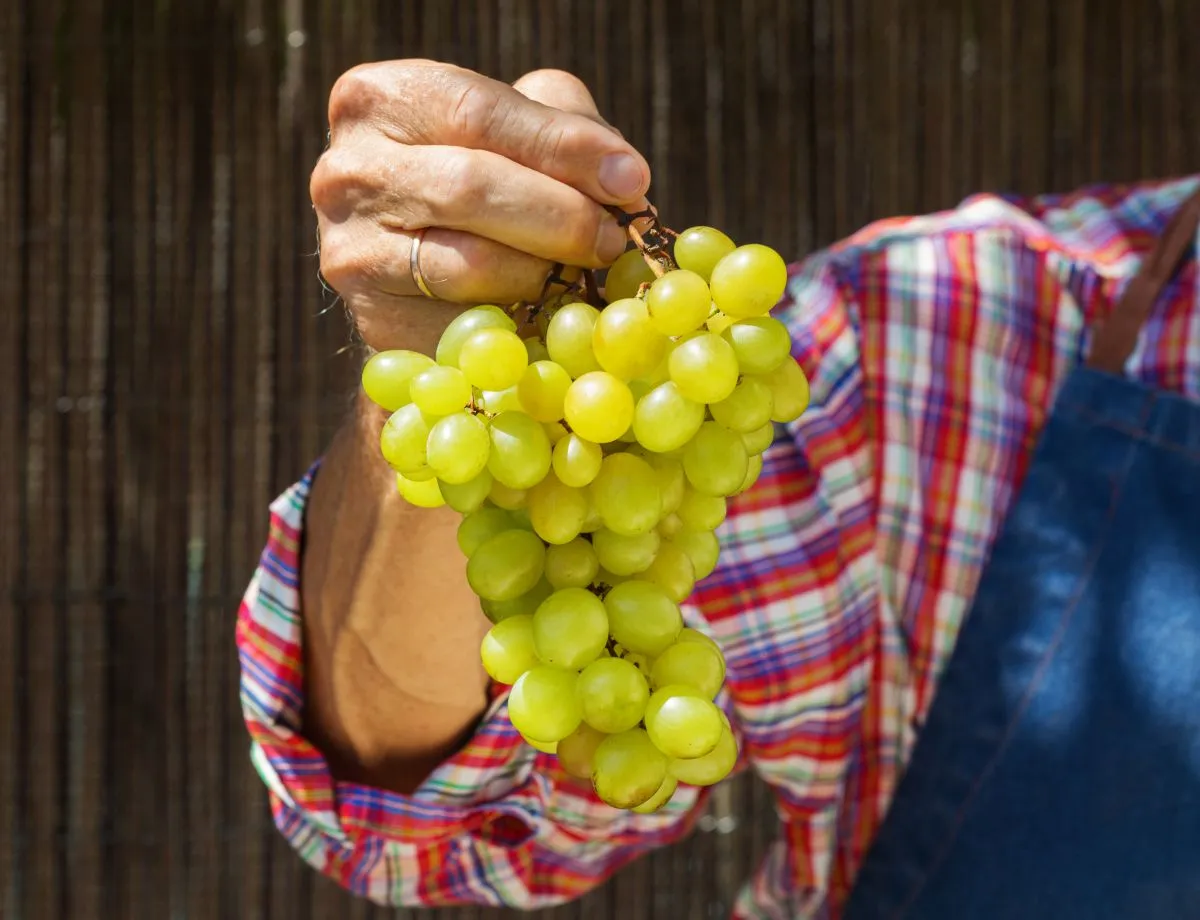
{"points": [[1104, 228]]}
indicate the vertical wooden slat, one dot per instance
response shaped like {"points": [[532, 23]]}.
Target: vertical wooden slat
{"points": [[85, 345], [14, 615], [136, 793], [43, 656]]}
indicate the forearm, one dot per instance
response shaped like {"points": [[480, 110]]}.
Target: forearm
{"points": [[391, 629]]}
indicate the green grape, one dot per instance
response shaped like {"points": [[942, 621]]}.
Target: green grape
{"points": [[463, 326], [747, 408], [542, 390], [698, 511], [789, 390], [659, 799], [525, 605], [480, 526], [669, 526], [605, 577], [690, 634], [711, 767], [690, 664], [702, 548], [535, 350], [626, 494], [665, 419], [555, 432], [761, 343], [661, 373], [671, 479], [642, 617], [420, 475], [387, 376], [570, 628], [626, 275], [424, 494], [699, 249], [718, 322], [644, 663], [440, 390], [457, 447], [625, 342], [572, 565], [402, 440], [569, 339], [545, 747], [715, 460], [638, 388], [493, 359], [506, 566], [556, 511], [749, 281], [759, 439], [542, 704], [465, 497], [672, 571], [497, 401], [678, 302], [627, 769], [599, 407], [507, 649], [503, 497], [704, 368], [575, 752], [593, 522], [681, 722], [752, 473], [576, 460], [520, 454], [624, 554], [612, 695]]}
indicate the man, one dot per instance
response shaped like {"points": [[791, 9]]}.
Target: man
{"points": [[959, 457]]}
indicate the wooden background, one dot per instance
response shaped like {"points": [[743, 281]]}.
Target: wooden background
{"points": [[166, 365]]}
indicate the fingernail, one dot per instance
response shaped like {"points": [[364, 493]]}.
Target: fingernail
{"points": [[621, 176], [610, 241]]}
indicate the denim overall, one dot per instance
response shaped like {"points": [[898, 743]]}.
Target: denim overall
{"points": [[1058, 774]]}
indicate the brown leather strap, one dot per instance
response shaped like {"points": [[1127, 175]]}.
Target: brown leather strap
{"points": [[1115, 339]]}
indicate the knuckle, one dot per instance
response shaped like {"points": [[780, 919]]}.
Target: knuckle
{"points": [[459, 188], [556, 141], [341, 261], [473, 106], [337, 180], [354, 94]]}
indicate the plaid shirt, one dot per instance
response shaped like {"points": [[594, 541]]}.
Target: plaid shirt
{"points": [[934, 347]]}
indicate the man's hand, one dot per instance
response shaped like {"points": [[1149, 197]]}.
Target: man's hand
{"points": [[508, 181]]}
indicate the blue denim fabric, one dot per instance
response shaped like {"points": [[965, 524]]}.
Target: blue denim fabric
{"points": [[1058, 774]]}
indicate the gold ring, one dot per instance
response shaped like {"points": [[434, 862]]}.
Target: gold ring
{"points": [[414, 265]]}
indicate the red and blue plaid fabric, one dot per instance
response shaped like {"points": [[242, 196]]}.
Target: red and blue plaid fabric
{"points": [[935, 347]]}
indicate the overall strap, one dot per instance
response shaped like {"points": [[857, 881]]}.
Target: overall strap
{"points": [[1115, 338]]}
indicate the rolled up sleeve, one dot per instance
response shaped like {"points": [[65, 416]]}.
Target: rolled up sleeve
{"points": [[498, 823]]}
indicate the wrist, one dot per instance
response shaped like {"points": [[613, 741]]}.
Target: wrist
{"points": [[391, 628]]}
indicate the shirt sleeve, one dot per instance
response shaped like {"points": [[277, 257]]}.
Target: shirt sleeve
{"points": [[498, 823]]}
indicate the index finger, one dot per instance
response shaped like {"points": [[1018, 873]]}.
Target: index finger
{"points": [[424, 102]]}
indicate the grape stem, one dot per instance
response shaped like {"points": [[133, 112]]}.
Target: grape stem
{"points": [[654, 242]]}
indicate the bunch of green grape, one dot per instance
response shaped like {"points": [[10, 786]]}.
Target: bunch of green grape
{"points": [[591, 453]]}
